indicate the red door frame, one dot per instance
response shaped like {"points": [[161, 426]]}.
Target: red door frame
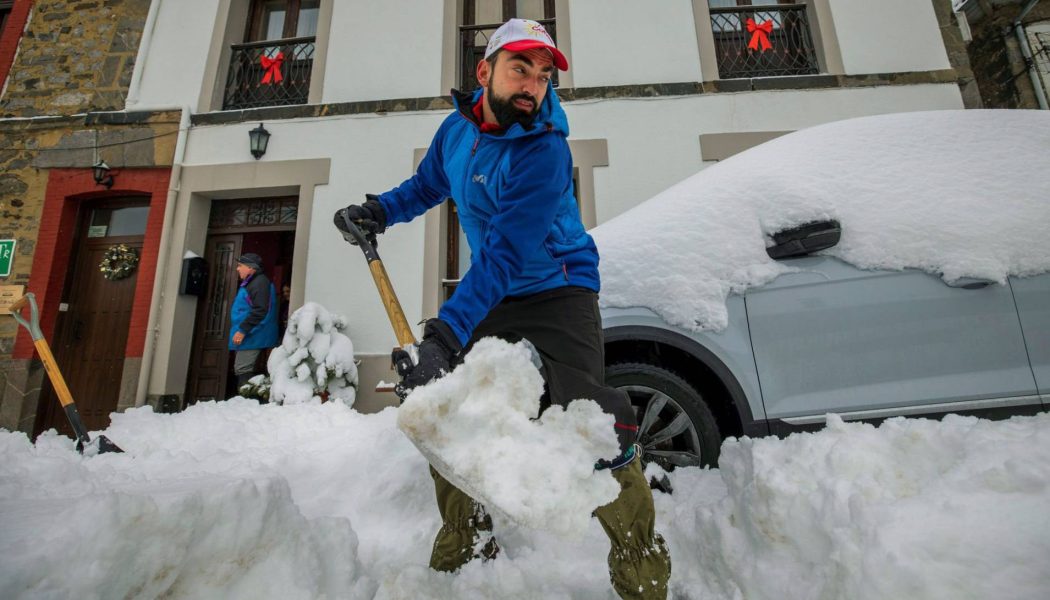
{"points": [[66, 189]]}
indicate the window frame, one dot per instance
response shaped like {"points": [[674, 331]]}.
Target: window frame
{"points": [[6, 7], [230, 30], [822, 32], [256, 12]]}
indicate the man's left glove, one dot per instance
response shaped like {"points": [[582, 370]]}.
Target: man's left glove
{"points": [[439, 346], [370, 217]]}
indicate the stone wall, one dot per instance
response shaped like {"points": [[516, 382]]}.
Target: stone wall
{"points": [[996, 58], [73, 64], [75, 56], [958, 57]]}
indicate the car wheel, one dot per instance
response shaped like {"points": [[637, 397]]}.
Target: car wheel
{"points": [[675, 426]]}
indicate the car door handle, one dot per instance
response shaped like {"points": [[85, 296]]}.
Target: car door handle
{"points": [[969, 283]]}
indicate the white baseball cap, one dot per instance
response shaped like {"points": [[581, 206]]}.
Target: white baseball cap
{"points": [[517, 35]]}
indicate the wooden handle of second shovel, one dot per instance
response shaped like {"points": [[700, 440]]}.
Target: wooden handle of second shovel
{"points": [[18, 304], [51, 366], [402, 330]]}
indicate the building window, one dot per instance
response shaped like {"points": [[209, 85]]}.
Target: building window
{"points": [[273, 65], [481, 18], [5, 11], [770, 38]]}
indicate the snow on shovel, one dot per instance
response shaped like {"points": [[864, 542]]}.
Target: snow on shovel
{"points": [[101, 444], [478, 427]]}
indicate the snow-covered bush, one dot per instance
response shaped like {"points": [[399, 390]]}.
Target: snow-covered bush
{"points": [[257, 388], [314, 358]]}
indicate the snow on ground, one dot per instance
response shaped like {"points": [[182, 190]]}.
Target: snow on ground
{"points": [[955, 193], [238, 500]]}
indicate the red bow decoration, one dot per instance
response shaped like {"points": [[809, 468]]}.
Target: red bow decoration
{"points": [[759, 35], [273, 68]]}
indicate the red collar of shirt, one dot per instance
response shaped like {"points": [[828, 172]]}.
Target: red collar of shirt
{"points": [[479, 114]]}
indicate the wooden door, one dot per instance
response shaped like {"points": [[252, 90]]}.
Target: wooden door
{"points": [[92, 330], [210, 355]]}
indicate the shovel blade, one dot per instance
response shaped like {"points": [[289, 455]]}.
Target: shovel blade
{"points": [[99, 445]]}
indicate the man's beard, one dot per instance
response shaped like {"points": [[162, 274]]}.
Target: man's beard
{"points": [[507, 114]]}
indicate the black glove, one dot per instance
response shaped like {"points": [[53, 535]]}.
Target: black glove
{"points": [[370, 217], [439, 346]]}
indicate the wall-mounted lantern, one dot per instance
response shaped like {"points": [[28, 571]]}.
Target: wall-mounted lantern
{"points": [[258, 139], [102, 174]]}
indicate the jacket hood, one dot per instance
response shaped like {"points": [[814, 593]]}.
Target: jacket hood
{"points": [[551, 115]]}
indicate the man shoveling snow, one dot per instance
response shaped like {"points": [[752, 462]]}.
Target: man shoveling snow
{"points": [[504, 158]]}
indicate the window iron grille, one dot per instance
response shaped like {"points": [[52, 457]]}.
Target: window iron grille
{"points": [[251, 214], [473, 39], [763, 41], [269, 73]]}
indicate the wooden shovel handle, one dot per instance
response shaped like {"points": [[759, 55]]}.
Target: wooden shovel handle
{"points": [[18, 304], [51, 366], [402, 330]]}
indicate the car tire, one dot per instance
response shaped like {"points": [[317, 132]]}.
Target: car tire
{"points": [[668, 407]]}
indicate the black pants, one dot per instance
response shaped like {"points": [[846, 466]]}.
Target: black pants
{"points": [[565, 327]]}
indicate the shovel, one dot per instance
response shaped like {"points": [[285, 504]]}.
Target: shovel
{"points": [[402, 330], [405, 337], [102, 444], [407, 340]]}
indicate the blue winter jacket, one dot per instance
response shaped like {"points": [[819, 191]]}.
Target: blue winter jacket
{"points": [[247, 314], [513, 192]]}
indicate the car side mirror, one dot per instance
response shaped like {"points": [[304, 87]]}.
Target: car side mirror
{"points": [[805, 239]]}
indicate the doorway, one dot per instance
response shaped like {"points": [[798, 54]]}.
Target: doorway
{"points": [[264, 226], [91, 332]]}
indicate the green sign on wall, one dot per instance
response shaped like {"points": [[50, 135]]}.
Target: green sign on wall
{"points": [[7, 256]]}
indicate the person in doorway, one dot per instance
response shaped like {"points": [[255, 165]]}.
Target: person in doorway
{"points": [[253, 317], [504, 158], [283, 306]]}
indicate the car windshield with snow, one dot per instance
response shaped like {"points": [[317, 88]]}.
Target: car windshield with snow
{"points": [[875, 267]]}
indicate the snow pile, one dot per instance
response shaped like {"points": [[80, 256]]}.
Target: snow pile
{"points": [[954, 193], [913, 509], [315, 357], [183, 513], [240, 500], [479, 426]]}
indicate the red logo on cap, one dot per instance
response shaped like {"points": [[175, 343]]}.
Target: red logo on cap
{"points": [[538, 30]]}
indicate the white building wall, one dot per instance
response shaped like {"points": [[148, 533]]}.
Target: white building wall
{"points": [[178, 53], [393, 49], [655, 143], [888, 36], [388, 49], [621, 42]]}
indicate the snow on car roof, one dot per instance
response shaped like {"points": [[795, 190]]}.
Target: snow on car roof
{"points": [[957, 193]]}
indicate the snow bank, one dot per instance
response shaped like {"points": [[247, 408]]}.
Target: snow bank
{"points": [[954, 193], [180, 514], [481, 421], [913, 509], [237, 500]]}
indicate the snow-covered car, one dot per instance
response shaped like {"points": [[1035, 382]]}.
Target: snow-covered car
{"points": [[874, 267]]}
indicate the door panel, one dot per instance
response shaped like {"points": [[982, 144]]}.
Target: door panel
{"points": [[835, 338], [91, 335], [1033, 306], [209, 360]]}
